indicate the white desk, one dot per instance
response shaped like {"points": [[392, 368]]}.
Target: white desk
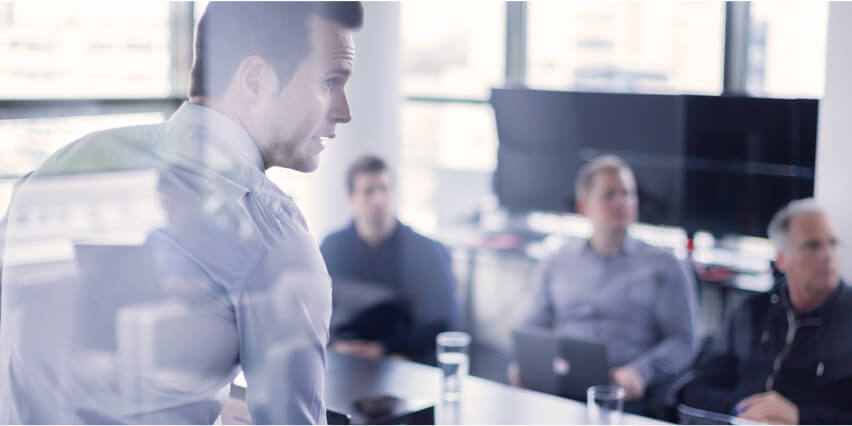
{"points": [[483, 401]]}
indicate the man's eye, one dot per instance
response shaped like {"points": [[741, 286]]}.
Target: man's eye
{"points": [[812, 246], [330, 83]]}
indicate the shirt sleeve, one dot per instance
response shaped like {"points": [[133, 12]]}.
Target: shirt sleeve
{"points": [[330, 250], [676, 316], [283, 311], [438, 291], [540, 312], [824, 416], [430, 286], [4, 220]]}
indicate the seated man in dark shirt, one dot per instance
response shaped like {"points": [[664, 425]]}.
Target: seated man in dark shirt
{"points": [[377, 248], [786, 356]]}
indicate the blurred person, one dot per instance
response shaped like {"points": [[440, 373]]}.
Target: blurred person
{"points": [[104, 326], [638, 300], [377, 248], [785, 356]]}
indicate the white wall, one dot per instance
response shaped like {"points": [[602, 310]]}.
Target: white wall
{"points": [[834, 146], [374, 99]]}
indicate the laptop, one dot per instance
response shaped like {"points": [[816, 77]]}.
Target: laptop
{"points": [[559, 365], [349, 298]]}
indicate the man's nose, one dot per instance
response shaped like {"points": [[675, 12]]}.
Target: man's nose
{"points": [[339, 112]]}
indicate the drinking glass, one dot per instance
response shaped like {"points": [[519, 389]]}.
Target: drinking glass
{"points": [[454, 361], [604, 405]]}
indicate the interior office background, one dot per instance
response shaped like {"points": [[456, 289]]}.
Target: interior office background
{"points": [[420, 91]]}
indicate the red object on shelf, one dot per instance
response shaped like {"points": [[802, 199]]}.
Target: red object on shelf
{"points": [[715, 273]]}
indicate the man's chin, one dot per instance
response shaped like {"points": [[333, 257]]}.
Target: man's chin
{"points": [[304, 165]]}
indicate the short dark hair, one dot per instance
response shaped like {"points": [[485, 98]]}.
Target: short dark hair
{"points": [[228, 32], [365, 164]]}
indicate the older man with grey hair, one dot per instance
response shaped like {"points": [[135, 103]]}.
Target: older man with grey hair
{"points": [[786, 356], [636, 299]]}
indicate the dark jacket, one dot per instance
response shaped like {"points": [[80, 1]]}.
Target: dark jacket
{"points": [[768, 345], [416, 268]]}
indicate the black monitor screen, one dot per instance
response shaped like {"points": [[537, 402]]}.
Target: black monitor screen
{"points": [[745, 159], [722, 164], [546, 136]]}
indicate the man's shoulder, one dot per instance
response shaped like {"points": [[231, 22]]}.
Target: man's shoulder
{"points": [[844, 303], [570, 250], [339, 237], [110, 149], [641, 248], [662, 259], [753, 306], [845, 298], [410, 238], [408, 232]]}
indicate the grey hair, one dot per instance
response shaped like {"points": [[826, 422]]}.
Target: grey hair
{"points": [[779, 226], [587, 173]]}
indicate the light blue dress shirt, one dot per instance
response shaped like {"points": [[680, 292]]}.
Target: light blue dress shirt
{"points": [[144, 266], [640, 303]]}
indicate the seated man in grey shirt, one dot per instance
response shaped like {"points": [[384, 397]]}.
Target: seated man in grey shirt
{"points": [[636, 299]]}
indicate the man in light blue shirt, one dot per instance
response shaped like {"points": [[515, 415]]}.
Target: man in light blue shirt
{"points": [[176, 262], [636, 299]]}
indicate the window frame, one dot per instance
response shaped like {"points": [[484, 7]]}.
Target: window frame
{"points": [[181, 29], [182, 21]]}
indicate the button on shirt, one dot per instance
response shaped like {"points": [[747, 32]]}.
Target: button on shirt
{"points": [[153, 329], [639, 302]]}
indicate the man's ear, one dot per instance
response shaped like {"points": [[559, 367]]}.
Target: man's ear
{"points": [[780, 262], [581, 208], [252, 77]]}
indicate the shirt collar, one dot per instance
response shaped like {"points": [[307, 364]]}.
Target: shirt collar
{"points": [[223, 128], [820, 310], [628, 247], [390, 240]]}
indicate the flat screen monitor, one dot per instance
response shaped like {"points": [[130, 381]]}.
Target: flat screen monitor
{"points": [[745, 159], [716, 163], [546, 136]]}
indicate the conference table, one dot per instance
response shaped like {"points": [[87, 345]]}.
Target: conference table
{"points": [[351, 378]]}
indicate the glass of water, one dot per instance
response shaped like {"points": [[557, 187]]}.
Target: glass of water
{"points": [[604, 405], [454, 360]]}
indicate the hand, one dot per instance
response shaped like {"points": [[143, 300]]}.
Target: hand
{"points": [[362, 348], [628, 378], [769, 407], [514, 375]]}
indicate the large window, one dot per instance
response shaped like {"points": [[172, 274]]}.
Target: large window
{"points": [[110, 64], [786, 51], [453, 53], [84, 49], [626, 46], [26, 142], [452, 49], [449, 152]]}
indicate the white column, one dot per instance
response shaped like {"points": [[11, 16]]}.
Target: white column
{"points": [[834, 146], [374, 99]]}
